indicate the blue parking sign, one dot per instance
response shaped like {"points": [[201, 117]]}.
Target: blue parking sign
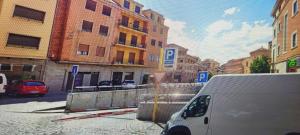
{"points": [[75, 69], [202, 77], [170, 54]]}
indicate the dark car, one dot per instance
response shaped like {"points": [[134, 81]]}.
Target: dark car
{"points": [[27, 87]]}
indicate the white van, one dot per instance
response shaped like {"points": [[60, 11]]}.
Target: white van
{"points": [[262, 104], [3, 83]]}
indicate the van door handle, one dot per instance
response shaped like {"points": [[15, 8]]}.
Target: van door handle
{"points": [[206, 120]]}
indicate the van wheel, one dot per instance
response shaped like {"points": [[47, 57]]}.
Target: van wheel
{"points": [[179, 131]]}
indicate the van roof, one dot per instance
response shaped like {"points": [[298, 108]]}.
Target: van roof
{"points": [[254, 83]]}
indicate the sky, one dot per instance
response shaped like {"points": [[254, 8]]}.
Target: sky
{"points": [[217, 29]]}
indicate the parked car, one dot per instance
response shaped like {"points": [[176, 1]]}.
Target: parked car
{"points": [[3, 83], [27, 87], [261, 104], [129, 84], [105, 83]]}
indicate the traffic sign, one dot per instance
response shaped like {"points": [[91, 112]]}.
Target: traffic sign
{"points": [[170, 57], [202, 76], [75, 69]]}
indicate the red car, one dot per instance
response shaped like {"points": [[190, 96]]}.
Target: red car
{"points": [[27, 87]]}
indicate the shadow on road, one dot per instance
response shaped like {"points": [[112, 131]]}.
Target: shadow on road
{"points": [[50, 97]]}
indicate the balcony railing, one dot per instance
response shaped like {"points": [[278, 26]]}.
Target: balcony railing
{"points": [[142, 46], [134, 27], [121, 62]]}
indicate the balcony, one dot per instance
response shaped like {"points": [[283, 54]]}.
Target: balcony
{"points": [[133, 27], [128, 63], [132, 46]]}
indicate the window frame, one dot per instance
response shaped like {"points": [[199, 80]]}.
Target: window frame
{"points": [[296, 40], [135, 9], [30, 18], [92, 2], [11, 67], [105, 10], [153, 41], [82, 27], [295, 11], [207, 97], [10, 43], [80, 52], [105, 28], [126, 3]]}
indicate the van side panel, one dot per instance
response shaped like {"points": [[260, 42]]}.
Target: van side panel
{"points": [[255, 114]]}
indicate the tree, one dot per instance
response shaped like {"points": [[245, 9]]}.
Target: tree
{"points": [[260, 65]]}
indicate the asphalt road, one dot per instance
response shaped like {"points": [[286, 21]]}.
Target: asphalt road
{"points": [[19, 119]]}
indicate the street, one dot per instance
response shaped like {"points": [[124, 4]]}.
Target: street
{"points": [[20, 118]]}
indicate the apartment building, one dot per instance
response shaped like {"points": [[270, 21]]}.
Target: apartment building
{"points": [[186, 69], [108, 39], [234, 66], [210, 65], [157, 39], [25, 29], [285, 43]]}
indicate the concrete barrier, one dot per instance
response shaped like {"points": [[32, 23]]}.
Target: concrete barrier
{"points": [[103, 100], [164, 112]]}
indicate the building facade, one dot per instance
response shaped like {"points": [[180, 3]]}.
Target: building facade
{"points": [[234, 66], [25, 29], [210, 65], [108, 39], [285, 43], [254, 55], [186, 68]]}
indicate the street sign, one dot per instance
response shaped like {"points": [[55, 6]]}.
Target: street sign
{"points": [[75, 69], [170, 57], [202, 76]]}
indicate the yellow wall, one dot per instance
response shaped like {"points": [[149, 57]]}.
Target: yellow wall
{"points": [[24, 26], [126, 54]]}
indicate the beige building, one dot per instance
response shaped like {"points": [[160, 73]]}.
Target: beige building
{"points": [[186, 68], [253, 55], [286, 40], [234, 66], [210, 65]]}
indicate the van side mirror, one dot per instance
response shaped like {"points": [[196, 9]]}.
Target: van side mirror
{"points": [[184, 114]]}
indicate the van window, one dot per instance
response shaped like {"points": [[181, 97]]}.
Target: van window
{"points": [[1, 79], [198, 107]]}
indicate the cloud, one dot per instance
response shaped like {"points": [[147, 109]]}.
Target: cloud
{"points": [[223, 40], [231, 11]]}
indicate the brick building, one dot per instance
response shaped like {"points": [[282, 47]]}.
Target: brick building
{"points": [[234, 66], [285, 43]]}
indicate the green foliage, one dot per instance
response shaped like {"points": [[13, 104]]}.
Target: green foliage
{"points": [[260, 65]]}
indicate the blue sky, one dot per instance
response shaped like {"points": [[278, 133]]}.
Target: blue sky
{"points": [[218, 29]]}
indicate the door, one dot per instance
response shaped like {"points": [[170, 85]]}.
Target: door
{"points": [[117, 78], [94, 78], [198, 114], [1, 84]]}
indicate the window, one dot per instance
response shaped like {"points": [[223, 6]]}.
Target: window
{"points": [[133, 40], [1, 79], [158, 19], [198, 107], [103, 30], [5, 67], [29, 13], [278, 50], [129, 76], [152, 16], [120, 57], [295, 7], [294, 40], [131, 58], [161, 31], [285, 32], [91, 5], [87, 26], [83, 49], [160, 44], [28, 68], [137, 9], [279, 28], [126, 4], [23, 41], [100, 51], [153, 42], [122, 38], [106, 10], [125, 20], [154, 28], [136, 25]]}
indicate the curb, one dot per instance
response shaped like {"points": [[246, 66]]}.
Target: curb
{"points": [[97, 115]]}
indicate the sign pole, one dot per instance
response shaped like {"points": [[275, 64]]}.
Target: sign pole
{"points": [[72, 89], [75, 69]]}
